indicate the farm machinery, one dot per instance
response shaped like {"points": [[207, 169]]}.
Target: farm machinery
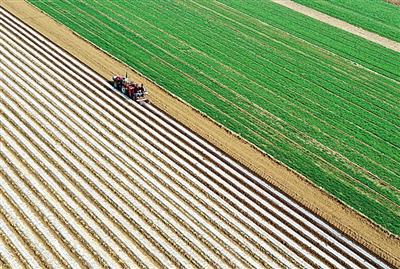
{"points": [[133, 90]]}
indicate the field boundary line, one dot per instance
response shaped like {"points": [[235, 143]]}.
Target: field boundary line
{"points": [[383, 41]]}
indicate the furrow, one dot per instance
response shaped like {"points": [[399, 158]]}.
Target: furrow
{"points": [[88, 184]]}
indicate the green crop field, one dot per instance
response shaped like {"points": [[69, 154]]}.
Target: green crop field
{"points": [[322, 101], [376, 16]]}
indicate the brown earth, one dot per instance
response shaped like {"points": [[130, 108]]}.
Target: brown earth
{"points": [[396, 2], [383, 41], [302, 190]]}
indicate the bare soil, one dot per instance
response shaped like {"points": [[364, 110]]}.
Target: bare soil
{"points": [[339, 215], [386, 42], [395, 2]]}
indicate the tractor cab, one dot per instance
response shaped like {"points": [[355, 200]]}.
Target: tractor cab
{"points": [[118, 81]]}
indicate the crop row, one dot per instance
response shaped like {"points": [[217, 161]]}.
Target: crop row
{"points": [[323, 35], [102, 190], [80, 200], [223, 45], [110, 174], [250, 83], [379, 119]]}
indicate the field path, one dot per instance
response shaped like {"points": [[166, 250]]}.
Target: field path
{"points": [[388, 43]]}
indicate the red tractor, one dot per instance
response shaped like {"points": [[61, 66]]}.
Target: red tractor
{"points": [[133, 90]]}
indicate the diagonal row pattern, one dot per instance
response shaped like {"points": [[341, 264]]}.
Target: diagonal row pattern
{"points": [[91, 179]]}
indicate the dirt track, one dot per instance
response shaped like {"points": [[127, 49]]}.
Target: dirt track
{"points": [[395, 2], [388, 43], [300, 189]]}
